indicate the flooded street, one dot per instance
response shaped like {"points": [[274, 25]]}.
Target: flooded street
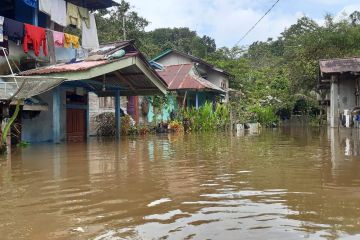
{"points": [[280, 184]]}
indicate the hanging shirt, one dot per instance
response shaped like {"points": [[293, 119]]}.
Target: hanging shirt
{"points": [[4, 44], [13, 29], [45, 6], [73, 16], [58, 39], [1, 29], [85, 16], [31, 3], [89, 35], [58, 12], [71, 39], [37, 37]]}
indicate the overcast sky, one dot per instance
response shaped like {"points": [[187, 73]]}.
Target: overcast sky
{"points": [[227, 20]]}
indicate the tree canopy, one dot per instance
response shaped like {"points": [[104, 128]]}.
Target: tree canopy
{"points": [[110, 23], [278, 68]]}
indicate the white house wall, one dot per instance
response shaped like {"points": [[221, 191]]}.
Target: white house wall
{"points": [[217, 78], [174, 59]]}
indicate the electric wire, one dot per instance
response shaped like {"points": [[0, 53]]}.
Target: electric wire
{"points": [[253, 27]]}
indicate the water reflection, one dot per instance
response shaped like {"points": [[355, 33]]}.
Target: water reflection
{"points": [[278, 184]]}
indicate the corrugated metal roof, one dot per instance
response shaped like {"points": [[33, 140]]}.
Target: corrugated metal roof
{"points": [[72, 67], [65, 68], [183, 77], [340, 65]]}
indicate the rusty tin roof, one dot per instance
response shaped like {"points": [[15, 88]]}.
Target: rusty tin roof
{"points": [[183, 77], [340, 65]]}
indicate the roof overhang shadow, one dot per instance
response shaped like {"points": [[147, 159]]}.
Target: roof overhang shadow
{"points": [[130, 74]]}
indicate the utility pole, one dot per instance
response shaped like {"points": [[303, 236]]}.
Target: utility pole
{"points": [[124, 29]]}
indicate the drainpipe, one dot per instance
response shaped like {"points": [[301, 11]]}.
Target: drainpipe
{"points": [[197, 100]]}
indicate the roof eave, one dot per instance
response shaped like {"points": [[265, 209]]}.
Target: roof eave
{"points": [[195, 59]]}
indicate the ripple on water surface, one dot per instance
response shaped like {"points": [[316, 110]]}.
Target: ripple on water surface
{"points": [[280, 184]]}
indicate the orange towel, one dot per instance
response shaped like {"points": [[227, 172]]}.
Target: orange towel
{"points": [[71, 39]]}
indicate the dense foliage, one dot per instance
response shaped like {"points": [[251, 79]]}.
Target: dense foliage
{"points": [[281, 73], [273, 75]]}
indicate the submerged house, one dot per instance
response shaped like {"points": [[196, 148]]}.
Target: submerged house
{"points": [[191, 80], [128, 75], [53, 82], [339, 84], [191, 89], [187, 88], [205, 70]]}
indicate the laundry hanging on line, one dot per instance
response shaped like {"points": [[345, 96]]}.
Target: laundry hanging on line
{"points": [[73, 15], [58, 38], [71, 40], [36, 37], [14, 30], [1, 29], [58, 12], [5, 45], [45, 6], [90, 38], [85, 16]]}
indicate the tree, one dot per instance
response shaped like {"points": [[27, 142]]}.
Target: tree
{"points": [[182, 39], [110, 23]]}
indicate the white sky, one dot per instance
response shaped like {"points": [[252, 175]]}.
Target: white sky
{"points": [[227, 20]]}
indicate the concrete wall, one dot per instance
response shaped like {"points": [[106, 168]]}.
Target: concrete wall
{"points": [[347, 98], [40, 128], [342, 97], [217, 78]]}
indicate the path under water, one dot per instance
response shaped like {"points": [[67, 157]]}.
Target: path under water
{"points": [[279, 184]]}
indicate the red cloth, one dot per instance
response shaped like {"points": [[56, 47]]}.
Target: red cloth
{"points": [[37, 37]]}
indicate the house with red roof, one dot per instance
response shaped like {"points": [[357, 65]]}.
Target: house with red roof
{"points": [[192, 81]]}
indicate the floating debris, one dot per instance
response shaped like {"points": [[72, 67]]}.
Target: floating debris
{"points": [[79, 229], [158, 202]]}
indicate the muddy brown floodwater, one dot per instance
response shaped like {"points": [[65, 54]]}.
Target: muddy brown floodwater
{"points": [[279, 184]]}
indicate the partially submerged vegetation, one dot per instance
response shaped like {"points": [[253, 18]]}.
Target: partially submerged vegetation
{"points": [[269, 76], [207, 118], [279, 77]]}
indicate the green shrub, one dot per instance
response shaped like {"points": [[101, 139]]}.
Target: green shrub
{"points": [[265, 115], [206, 119]]}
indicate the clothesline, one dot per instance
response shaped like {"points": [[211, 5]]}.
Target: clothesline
{"points": [[36, 36]]}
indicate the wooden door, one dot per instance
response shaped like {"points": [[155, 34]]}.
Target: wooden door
{"points": [[133, 107], [75, 125]]}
